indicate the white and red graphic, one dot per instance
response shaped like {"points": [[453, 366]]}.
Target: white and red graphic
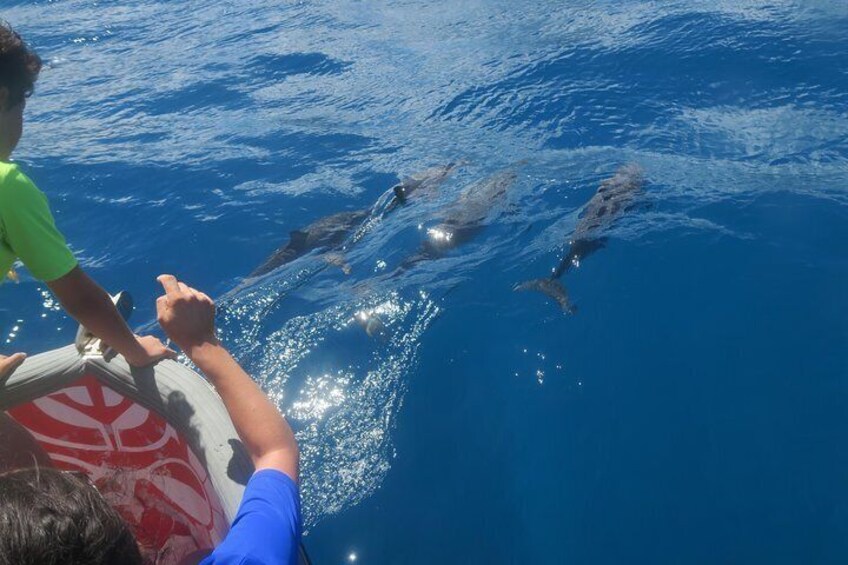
{"points": [[138, 462]]}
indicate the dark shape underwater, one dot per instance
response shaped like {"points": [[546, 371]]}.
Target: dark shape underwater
{"points": [[463, 218], [331, 232], [326, 232], [614, 197]]}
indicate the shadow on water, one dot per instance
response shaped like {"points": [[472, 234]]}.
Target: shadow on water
{"points": [[276, 67]]}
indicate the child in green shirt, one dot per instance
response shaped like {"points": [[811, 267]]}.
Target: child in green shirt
{"points": [[27, 230]]}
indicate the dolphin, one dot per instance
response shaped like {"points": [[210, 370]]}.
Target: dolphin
{"points": [[459, 222], [334, 231], [418, 186], [326, 232], [614, 197], [463, 218]]}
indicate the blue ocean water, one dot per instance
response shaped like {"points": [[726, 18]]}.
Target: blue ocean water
{"points": [[691, 411]]}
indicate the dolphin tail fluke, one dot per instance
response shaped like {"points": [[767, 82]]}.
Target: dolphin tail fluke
{"points": [[553, 289]]}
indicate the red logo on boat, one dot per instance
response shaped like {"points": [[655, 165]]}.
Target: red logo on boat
{"points": [[138, 462]]}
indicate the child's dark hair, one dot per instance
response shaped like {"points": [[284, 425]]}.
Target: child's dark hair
{"points": [[52, 517], [19, 66]]}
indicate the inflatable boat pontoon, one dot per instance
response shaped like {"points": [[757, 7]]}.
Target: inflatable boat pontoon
{"points": [[157, 442]]}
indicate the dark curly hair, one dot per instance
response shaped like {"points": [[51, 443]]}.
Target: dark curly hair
{"points": [[19, 66], [51, 517]]}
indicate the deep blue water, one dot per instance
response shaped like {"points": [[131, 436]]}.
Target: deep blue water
{"points": [[692, 410]]}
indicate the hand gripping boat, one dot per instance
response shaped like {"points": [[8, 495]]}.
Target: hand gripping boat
{"points": [[157, 442]]}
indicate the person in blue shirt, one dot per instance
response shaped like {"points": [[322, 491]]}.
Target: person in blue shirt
{"points": [[54, 518], [271, 502]]}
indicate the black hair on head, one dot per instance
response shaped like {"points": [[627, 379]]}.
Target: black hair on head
{"points": [[52, 517], [19, 66]]}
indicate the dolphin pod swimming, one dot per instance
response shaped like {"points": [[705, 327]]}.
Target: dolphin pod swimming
{"points": [[459, 222], [332, 232], [614, 197]]}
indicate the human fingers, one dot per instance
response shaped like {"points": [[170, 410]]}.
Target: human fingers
{"points": [[168, 353], [155, 348], [162, 308], [170, 284], [200, 296], [203, 296], [10, 363]]}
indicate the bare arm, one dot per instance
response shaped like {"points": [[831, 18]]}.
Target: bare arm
{"points": [[188, 316], [265, 433], [91, 306]]}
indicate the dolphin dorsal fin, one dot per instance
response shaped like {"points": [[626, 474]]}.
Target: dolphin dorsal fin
{"points": [[298, 237]]}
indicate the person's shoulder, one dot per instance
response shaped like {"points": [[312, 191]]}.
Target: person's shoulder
{"points": [[270, 503], [273, 476], [8, 171], [15, 185], [13, 178], [272, 483]]}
